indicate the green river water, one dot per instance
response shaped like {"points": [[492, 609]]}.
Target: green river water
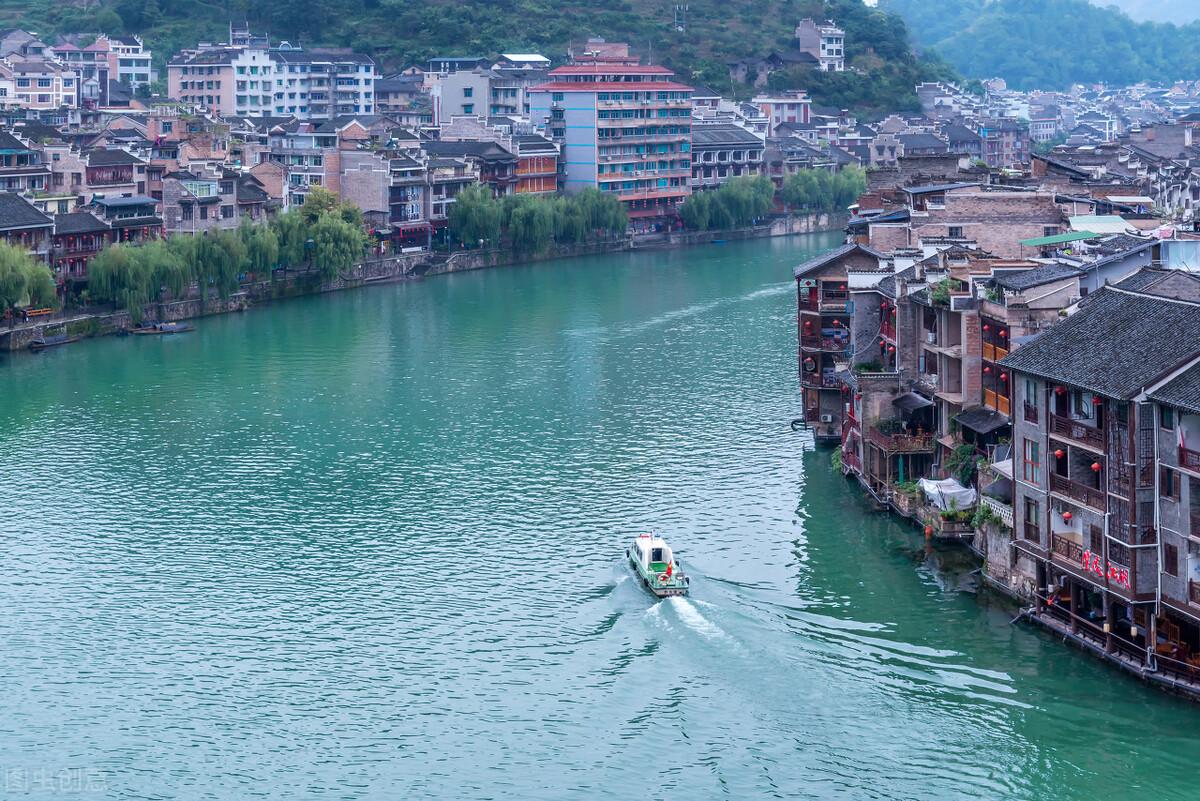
{"points": [[369, 546]]}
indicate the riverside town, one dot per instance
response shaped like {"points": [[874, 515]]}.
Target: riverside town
{"points": [[577, 398]]}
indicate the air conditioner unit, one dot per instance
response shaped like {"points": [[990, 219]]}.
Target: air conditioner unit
{"points": [[827, 418]]}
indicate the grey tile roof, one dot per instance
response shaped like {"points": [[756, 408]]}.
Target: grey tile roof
{"points": [[832, 256], [17, 212], [79, 222], [1116, 344], [1182, 391], [108, 158], [1027, 279], [722, 134]]}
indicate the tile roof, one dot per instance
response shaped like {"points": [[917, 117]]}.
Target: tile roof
{"points": [[79, 222], [108, 158], [723, 133], [1116, 344], [17, 212], [832, 256], [10, 142], [1038, 276], [1182, 391]]}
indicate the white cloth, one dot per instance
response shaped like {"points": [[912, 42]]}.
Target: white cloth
{"points": [[941, 493]]}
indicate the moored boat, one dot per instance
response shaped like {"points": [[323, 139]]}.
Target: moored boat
{"points": [[162, 328], [43, 342], [655, 566]]}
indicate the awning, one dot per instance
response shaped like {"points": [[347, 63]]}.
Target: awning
{"points": [[1058, 239], [1001, 489], [946, 493], [1003, 468], [981, 420], [909, 402]]}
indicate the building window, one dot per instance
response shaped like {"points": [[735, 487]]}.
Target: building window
{"points": [[1171, 560], [1031, 529], [955, 232], [1167, 417], [1168, 483], [1050, 230], [468, 92], [1032, 462], [468, 108], [1096, 539]]}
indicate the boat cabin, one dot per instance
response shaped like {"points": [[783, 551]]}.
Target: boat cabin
{"points": [[652, 553]]}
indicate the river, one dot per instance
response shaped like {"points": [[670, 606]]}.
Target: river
{"points": [[369, 546]]}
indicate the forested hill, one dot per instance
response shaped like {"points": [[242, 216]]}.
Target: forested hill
{"points": [[401, 32], [1051, 43]]}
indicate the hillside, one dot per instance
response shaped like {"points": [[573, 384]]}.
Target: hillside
{"points": [[1155, 10], [1051, 43], [399, 32]]}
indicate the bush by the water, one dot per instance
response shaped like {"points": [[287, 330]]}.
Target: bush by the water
{"points": [[531, 223]]}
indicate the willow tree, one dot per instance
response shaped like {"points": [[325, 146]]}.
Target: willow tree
{"points": [[337, 245], [23, 280], [291, 233], [475, 215]]}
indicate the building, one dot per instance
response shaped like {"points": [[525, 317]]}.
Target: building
{"points": [[21, 167], [495, 165], [537, 164], [785, 107], [446, 177], [78, 237], [721, 151], [229, 81], [322, 83], [825, 42], [1101, 471], [622, 127], [132, 218], [24, 225], [823, 332]]}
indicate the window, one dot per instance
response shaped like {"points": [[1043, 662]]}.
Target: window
{"points": [[1168, 483], [1171, 560], [468, 108], [204, 212], [1032, 466], [1050, 230], [226, 212], [1167, 417], [468, 91], [1030, 395], [955, 232], [1031, 520], [1096, 539]]}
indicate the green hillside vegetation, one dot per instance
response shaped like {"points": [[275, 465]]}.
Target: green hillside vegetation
{"points": [[398, 33], [1051, 43]]}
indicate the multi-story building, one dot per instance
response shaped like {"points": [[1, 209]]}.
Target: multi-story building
{"points": [[824, 334], [78, 237], [24, 225], [229, 81], [196, 201], [132, 218], [825, 42], [724, 150], [134, 62], [622, 127], [537, 164], [784, 107], [496, 165], [322, 83], [21, 166], [446, 177], [407, 190], [42, 83], [1103, 525]]}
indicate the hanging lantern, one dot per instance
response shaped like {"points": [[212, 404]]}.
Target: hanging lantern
{"points": [[987, 370], [891, 348], [987, 327], [1003, 333], [837, 323], [810, 365], [1097, 400], [929, 531], [808, 323], [1095, 467], [1059, 390], [1060, 453], [1067, 516], [1004, 376], [883, 305], [858, 396]]}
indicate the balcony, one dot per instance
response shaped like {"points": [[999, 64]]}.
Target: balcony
{"points": [[1068, 549], [1189, 459], [993, 353], [888, 329], [997, 401], [1089, 496], [833, 300], [1077, 430], [830, 344], [901, 443], [1000, 509]]}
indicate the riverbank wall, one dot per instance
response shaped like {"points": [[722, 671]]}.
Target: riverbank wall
{"points": [[92, 322]]}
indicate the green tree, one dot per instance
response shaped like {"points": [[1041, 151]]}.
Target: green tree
{"points": [[23, 281], [337, 245], [475, 215]]}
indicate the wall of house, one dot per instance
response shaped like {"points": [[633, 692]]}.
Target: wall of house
{"points": [[364, 179], [998, 221]]}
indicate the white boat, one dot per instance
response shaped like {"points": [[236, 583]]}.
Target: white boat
{"points": [[655, 566]]}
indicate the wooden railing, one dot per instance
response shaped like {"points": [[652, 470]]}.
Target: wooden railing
{"points": [[833, 300], [901, 443], [814, 342], [997, 401], [1189, 459], [1031, 413], [993, 353], [1068, 549], [1078, 492], [1076, 430]]}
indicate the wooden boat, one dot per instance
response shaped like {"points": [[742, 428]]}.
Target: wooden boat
{"points": [[655, 566], [159, 329], [53, 340]]}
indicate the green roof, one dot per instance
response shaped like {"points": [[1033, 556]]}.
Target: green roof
{"points": [[1058, 239]]}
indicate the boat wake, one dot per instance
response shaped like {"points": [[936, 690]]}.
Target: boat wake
{"points": [[690, 616]]}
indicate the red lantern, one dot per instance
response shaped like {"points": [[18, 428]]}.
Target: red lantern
{"points": [[891, 349], [1060, 453], [837, 323], [1097, 400], [929, 531], [858, 396], [1095, 467], [987, 369], [808, 323], [883, 305], [1003, 333], [1059, 390], [1004, 376], [987, 327], [1067, 516]]}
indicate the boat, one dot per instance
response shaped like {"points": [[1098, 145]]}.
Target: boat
{"points": [[43, 342], [655, 566], [162, 328]]}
